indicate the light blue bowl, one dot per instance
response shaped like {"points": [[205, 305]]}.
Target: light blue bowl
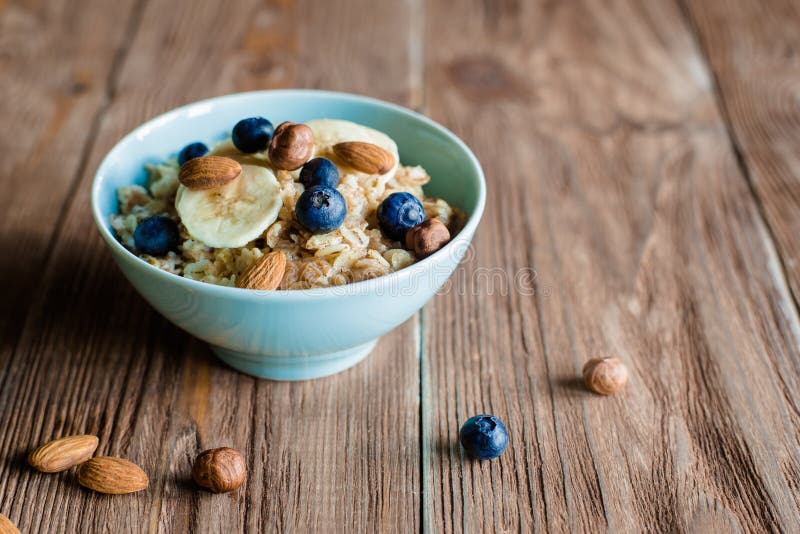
{"points": [[293, 335]]}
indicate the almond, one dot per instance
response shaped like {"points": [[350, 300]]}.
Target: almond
{"points": [[265, 273], [209, 172], [63, 453], [364, 157], [107, 474], [6, 526]]}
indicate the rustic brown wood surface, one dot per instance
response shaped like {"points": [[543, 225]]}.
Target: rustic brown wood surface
{"points": [[754, 55], [644, 202]]}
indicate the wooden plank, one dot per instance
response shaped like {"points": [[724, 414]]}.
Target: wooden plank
{"points": [[611, 175], [55, 75], [338, 454], [753, 52]]}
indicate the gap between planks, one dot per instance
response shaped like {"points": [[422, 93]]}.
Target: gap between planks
{"points": [[780, 272]]}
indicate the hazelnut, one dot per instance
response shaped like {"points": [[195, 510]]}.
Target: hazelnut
{"points": [[219, 470], [427, 237], [291, 146], [605, 375]]}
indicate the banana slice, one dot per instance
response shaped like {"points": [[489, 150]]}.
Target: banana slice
{"points": [[328, 132], [234, 214]]}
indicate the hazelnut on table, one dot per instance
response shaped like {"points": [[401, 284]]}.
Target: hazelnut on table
{"points": [[605, 376], [219, 470]]}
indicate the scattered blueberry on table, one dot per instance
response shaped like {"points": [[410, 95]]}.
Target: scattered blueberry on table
{"points": [[252, 134], [483, 437], [191, 151], [156, 235], [319, 171], [321, 209], [399, 213]]}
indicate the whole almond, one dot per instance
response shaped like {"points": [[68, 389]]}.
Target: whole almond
{"points": [[291, 146], [108, 474], [427, 237], [265, 273], [209, 172], [62, 453], [365, 157], [219, 470], [6, 526]]}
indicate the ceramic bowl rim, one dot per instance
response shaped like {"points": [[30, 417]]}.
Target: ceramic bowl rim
{"points": [[362, 287]]}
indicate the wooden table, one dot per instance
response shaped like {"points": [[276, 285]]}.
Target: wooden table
{"points": [[642, 157]]}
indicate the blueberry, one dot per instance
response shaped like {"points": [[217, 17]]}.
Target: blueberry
{"points": [[321, 209], [319, 171], [191, 151], [252, 134], [483, 437], [156, 235], [399, 213]]}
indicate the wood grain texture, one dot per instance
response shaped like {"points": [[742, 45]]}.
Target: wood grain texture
{"points": [[620, 221], [91, 356], [51, 98], [754, 54], [611, 174]]}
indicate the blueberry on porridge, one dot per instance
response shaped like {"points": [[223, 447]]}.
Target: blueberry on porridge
{"points": [[319, 171], [399, 213], [300, 206], [191, 151], [252, 134], [320, 209], [156, 235]]}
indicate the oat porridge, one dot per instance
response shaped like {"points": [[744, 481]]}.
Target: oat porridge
{"points": [[329, 199]]}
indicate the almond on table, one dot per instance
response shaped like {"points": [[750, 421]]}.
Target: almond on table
{"points": [[108, 474], [61, 454], [7, 527]]}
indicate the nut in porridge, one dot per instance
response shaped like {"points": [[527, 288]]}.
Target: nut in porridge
{"points": [[427, 237], [364, 157], [209, 172], [291, 146], [264, 273]]}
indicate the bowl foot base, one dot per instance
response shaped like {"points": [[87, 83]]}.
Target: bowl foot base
{"points": [[294, 367]]}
